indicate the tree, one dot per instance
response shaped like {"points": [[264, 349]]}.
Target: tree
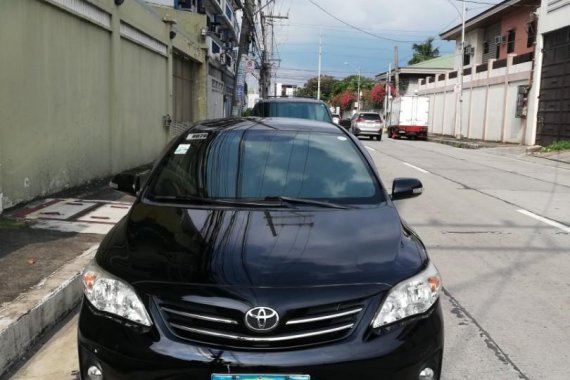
{"points": [[424, 51], [310, 89], [344, 100], [378, 93]]}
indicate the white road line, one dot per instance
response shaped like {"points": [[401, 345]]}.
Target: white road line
{"points": [[415, 167], [545, 220], [369, 148]]}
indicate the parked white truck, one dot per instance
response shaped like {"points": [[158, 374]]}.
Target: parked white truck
{"points": [[409, 117]]}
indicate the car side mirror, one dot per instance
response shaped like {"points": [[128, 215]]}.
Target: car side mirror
{"points": [[126, 182], [403, 188]]}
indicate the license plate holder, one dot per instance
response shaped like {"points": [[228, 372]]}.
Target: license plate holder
{"points": [[257, 376]]}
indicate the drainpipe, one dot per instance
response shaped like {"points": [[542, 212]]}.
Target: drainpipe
{"points": [[506, 97], [490, 63]]}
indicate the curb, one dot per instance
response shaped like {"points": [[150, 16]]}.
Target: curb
{"points": [[24, 320], [457, 144]]}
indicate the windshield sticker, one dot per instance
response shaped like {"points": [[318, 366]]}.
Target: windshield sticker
{"points": [[197, 136], [182, 149], [341, 138]]}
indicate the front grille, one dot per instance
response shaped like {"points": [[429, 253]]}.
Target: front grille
{"points": [[214, 325]]}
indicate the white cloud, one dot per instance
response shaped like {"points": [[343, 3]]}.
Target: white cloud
{"points": [[403, 20]]}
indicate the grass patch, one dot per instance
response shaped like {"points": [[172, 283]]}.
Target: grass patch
{"points": [[9, 224], [557, 146]]}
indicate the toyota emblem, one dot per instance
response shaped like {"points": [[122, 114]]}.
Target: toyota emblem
{"points": [[261, 319]]}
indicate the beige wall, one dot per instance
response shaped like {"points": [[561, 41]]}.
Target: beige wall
{"points": [[79, 99], [489, 104]]}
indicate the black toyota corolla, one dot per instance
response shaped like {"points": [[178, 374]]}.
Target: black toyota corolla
{"points": [[262, 249]]}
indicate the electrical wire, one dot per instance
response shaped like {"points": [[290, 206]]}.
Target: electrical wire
{"points": [[357, 28]]}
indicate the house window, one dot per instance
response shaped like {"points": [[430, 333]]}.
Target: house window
{"points": [[466, 56], [511, 41], [531, 34], [229, 12], [215, 48], [486, 47]]}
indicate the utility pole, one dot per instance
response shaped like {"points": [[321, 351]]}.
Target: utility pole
{"points": [[319, 70], [264, 69], [243, 48], [397, 71], [462, 54], [266, 55], [387, 90]]}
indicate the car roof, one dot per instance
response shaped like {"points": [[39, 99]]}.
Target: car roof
{"points": [[269, 123], [290, 100]]}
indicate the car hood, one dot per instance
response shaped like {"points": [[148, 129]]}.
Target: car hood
{"points": [[302, 247]]}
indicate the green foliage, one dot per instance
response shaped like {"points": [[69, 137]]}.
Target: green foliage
{"points": [[9, 224], [246, 112], [309, 90], [331, 87], [423, 52], [557, 146]]}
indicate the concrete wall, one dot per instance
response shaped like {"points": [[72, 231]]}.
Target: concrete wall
{"points": [[488, 108], [84, 86]]}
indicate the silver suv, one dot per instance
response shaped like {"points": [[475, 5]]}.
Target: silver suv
{"points": [[367, 124]]}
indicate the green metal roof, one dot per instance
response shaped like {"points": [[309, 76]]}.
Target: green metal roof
{"points": [[443, 62]]}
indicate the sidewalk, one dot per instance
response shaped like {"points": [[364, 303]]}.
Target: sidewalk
{"points": [[507, 148], [44, 247]]}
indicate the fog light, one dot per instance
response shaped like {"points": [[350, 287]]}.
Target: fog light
{"points": [[94, 373], [427, 374]]}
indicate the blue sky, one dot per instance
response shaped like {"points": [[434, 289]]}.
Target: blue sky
{"points": [[407, 21]]}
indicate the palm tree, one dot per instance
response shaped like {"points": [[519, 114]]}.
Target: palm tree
{"points": [[424, 51]]}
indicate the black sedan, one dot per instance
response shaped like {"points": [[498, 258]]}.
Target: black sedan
{"points": [[262, 249]]}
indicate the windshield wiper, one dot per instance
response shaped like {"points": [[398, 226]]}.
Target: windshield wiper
{"points": [[305, 201], [206, 201]]}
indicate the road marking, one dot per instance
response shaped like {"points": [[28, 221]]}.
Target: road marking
{"points": [[415, 167], [545, 220], [369, 148]]}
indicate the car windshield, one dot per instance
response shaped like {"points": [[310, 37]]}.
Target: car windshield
{"points": [[265, 164], [300, 110]]}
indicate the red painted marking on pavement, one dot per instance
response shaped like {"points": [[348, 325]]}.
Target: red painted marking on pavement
{"points": [[26, 211]]}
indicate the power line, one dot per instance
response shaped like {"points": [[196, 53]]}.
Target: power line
{"points": [[357, 28], [321, 26]]}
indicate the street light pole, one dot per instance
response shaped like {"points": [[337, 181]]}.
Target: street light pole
{"points": [[358, 97]]}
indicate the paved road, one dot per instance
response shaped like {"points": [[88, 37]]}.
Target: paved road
{"points": [[497, 226], [506, 271]]}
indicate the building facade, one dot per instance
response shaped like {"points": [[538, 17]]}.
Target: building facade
{"points": [[90, 89], [221, 37], [510, 27], [488, 95], [552, 73]]}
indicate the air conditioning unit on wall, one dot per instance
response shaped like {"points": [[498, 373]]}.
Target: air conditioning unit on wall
{"points": [[469, 50], [500, 40]]}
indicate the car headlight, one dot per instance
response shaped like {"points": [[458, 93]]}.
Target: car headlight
{"points": [[112, 295], [412, 296]]}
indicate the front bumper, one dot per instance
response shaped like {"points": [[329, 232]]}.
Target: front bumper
{"points": [[121, 352]]}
